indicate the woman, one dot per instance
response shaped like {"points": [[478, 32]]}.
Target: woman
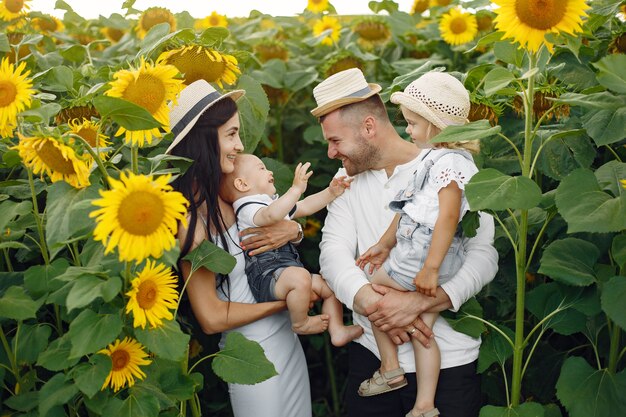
{"points": [[206, 129]]}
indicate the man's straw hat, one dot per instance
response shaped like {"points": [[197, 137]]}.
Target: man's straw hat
{"points": [[194, 100], [438, 97], [340, 89]]}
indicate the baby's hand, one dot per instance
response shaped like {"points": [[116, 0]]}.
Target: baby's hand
{"points": [[301, 176], [426, 281], [338, 185], [375, 256]]}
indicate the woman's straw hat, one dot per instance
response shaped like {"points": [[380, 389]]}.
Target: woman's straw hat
{"points": [[438, 97], [194, 100], [340, 89]]}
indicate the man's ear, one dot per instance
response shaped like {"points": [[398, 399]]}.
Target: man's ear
{"points": [[369, 126], [241, 185]]}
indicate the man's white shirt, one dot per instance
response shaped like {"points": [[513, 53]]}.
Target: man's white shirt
{"points": [[355, 222]]}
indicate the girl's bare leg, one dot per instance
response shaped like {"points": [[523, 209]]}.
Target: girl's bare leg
{"points": [[340, 335], [427, 364]]}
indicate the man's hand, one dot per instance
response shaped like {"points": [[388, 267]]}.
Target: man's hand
{"points": [[268, 237]]}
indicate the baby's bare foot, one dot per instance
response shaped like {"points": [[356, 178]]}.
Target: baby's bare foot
{"points": [[312, 325], [345, 334]]}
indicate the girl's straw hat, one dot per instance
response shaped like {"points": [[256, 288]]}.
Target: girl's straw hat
{"points": [[438, 97], [340, 89], [194, 100]]}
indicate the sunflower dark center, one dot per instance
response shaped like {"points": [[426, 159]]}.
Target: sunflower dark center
{"points": [[147, 294], [53, 158], [458, 25], [89, 134], [540, 14], [141, 213], [8, 93], [146, 91], [14, 6], [120, 359]]}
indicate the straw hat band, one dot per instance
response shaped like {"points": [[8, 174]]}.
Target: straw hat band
{"points": [[360, 92], [194, 112]]}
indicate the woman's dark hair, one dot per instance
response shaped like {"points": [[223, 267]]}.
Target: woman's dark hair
{"points": [[200, 184]]}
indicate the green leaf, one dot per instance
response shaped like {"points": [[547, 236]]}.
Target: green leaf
{"points": [[124, 113], [611, 73], [297, 80], [31, 341], [586, 208], [618, 251], [546, 299], [139, 406], [496, 80], [57, 356], [609, 176], [167, 341], [461, 322], [211, 257], [10, 210], [23, 402], [565, 152], [495, 348], [175, 383], [17, 305], [470, 223], [242, 361], [214, 35], [283, 175], [570, 261], [491, 189], [89, 377], [90, 332], [589, 392], [509, 52], [253, 110], [90, 287], [613, 296], [527, 409], [479, 129], [68, 213], [56, 391], [5, 46]]}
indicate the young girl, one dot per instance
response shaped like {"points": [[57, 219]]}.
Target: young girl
{"points": [[422, 248]]}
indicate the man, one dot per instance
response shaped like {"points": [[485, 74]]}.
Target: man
{"points": [[359, 133]]}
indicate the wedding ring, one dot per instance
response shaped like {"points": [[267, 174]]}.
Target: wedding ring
{"points": [[412, 331]]}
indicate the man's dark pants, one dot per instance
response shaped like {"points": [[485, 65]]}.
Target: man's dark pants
{"points": [[458, 391]]}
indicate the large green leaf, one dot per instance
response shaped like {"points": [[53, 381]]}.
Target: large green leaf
{"points": [[461, 322], [56, 391], [17, 305], [89, 377], [491, 189], [57, 356], [167, 341], [31, 341], [589, 392], [609, 176], [283, 175], [564, 152], [613, 296], [67, 213], [124, 113], [90, 332], [586, 208], [299, 79], [570, 261], [618, 250], [39, 279], [495, 348], [169, 375], [242, 361], [612, 72], [90, 287], [527, 409], [479, 129], [9, 210], [545, 300], [139, 406], [253, 110], [496, 80], [211, 257]]}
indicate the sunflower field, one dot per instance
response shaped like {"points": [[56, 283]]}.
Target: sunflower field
{"points": [[94, 320]]}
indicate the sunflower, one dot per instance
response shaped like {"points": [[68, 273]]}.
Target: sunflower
{"points": [[151, 87], [317, 6], [76, 112], [200, 62], [47, 24], [623, 183], [618, 44], [267, 24], [276, 95], [139, 216], [458, 27], [211, 21], [484, 20], [340, 62], [126, 357], [420, 6], [528, 21], [484, 110], [152, 16], [12, 9], [15, 94], [372, 31], [90, 132], [324, 24], [112, 34], [153, 295], [14, 39], [311, 227], [43, 154], [440, 3], [271, 49]]}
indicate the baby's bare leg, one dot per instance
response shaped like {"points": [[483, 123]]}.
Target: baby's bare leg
{"points": [[294, 286], [340, 335], [427, 363]]}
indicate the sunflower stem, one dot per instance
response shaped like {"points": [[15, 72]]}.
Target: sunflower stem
{"points": [[95, 157], [12, 358], [134, 159], [7, 260], [38, 219]]}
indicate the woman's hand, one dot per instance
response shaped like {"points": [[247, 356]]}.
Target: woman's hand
{"points": [[268, 237]]}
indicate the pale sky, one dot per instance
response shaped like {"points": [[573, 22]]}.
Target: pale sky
{"points": [[91, 9]]}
